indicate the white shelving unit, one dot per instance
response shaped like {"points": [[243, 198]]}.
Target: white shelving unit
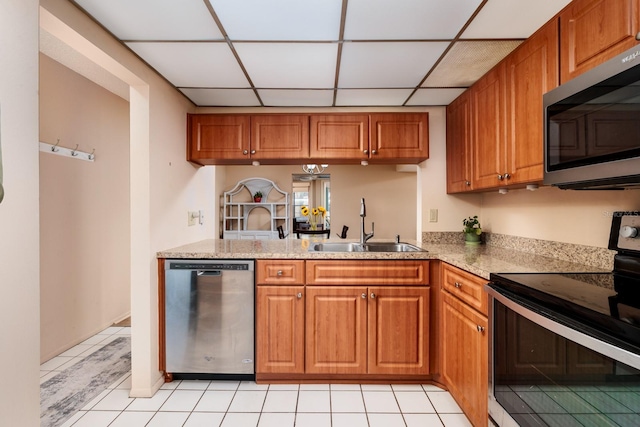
{"points": [[238, 204]]}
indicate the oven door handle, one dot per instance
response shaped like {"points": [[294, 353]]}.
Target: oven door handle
{"points": [[522, 307]]}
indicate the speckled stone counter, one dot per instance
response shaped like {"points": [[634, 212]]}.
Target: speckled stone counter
{"points": [[480, 260]]}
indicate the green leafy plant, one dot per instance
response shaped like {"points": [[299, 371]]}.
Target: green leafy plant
{"points": [[257, 195], [472, 225]]}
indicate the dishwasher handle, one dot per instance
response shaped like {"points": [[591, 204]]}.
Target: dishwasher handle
{"points": [[209, 273]]}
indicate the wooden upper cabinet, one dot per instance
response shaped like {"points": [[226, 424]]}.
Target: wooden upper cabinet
{"points": [[284, 136], [396, 136], [593, 31], [532, 70], [459, 144], [339, 136], [216, 137], [488, 115]]}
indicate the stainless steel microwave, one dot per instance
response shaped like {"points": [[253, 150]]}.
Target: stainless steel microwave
{"points": [[592, 127]]}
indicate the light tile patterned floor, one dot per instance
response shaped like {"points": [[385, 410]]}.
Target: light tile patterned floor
{"points": [[247, 404]]}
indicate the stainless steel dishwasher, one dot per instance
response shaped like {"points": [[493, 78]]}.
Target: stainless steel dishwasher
{"points": [[209, 318]]}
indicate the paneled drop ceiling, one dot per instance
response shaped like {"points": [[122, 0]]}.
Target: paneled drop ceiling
{"points": [[315, 53]]}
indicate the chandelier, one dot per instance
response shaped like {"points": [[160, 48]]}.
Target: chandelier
{"points": [[314, 169]]}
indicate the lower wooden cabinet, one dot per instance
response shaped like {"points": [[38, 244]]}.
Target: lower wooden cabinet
{"points": [[280, 329], [465, 357], [354, 331]]}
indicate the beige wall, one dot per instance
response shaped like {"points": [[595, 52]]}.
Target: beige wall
{"points": [[19, 257], [390, 195], [84, 210]]}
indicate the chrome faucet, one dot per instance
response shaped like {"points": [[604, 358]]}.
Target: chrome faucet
{"points": [[363, 213]]}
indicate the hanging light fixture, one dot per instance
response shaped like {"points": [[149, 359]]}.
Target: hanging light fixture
{"points": [[314, 169]]}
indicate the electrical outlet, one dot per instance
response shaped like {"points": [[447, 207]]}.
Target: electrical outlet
{"points": [[201, 217], [192, 216], [433, 215]]}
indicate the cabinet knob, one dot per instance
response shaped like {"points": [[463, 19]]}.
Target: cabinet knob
{"points": [[638, 36], [279, 273], [364, 296], [457, 285], [299, 295], [374, 151], [480, 328], [507, 176], [373, 296], [500, 177], [253, 151], [467, 183], [245, 151], [366, 151]]}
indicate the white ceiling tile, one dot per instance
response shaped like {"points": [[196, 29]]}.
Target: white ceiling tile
{"points": [[387, 64], [221, 97], [434, 96], [512, 18], [296, 98], [467, 61], [407, 19], [193, 64], [154, 19], [289, 65], [360, 97], [280, 19]]}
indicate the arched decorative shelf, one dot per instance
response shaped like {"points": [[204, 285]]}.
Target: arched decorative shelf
{"points": [[238, 204]]}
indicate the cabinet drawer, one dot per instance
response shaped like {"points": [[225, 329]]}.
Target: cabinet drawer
{"points": [[467, 287], [367, 272], [280, 272]]}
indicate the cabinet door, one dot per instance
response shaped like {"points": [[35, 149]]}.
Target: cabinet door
{"points": [[593, 31], [488, 126], [399, 136], [213, 138], [336, 330], [532, 70], [339, 136], [398, 324], [284, 136], [465, 358], [280, 329], [459, 144], [468, 287]]}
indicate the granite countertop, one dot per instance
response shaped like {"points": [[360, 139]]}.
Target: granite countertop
{"points": [[480, 260]]}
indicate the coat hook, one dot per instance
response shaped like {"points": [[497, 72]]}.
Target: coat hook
{"points": [[91, 156], [73, 152], [55, 147]]}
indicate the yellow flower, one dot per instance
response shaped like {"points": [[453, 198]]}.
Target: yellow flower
{"points": [[322, 210], [315, 211], [304, 211]]}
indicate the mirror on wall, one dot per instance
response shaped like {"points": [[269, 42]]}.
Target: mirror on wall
{"points": [[311, 190]]}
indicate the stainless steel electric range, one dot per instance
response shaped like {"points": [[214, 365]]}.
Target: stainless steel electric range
{"points": [[565, 348]]}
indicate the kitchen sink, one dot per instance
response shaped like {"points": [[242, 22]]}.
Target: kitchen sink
{"points": [[367, 247]]}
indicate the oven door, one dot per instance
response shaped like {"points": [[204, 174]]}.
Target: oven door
{"points": [[545, 370]]}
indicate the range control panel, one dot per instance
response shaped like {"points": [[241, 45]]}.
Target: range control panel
{"points": [[625, 231]]}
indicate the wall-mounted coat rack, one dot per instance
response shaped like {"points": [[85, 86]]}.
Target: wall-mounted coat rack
{"points": [[67, 152]]}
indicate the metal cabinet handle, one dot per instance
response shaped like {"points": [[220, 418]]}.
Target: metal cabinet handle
{"points": [[245, 151], [500, 177], [480, 328], [507, 176], [364, 296], [253, 151], [279, 273], [373, 296], [366, 151], [457, 285], [299, 295], [467, 183], [374, 152]]}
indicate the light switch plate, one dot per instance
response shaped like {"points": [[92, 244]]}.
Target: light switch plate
{"points": [[192, 216], [433, 215]]}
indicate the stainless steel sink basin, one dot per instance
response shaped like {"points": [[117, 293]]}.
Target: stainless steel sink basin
{"points": [[367, 247]]}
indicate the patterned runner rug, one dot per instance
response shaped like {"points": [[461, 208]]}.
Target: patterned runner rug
{"points": [[69, 391]]}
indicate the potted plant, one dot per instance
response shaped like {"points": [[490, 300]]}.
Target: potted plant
{"points": [[472, 230], [257, 197]]}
